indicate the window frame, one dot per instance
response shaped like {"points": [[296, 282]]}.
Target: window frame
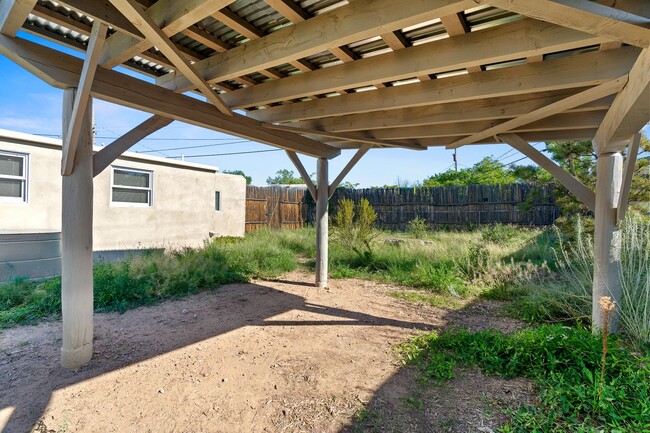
{"points": [[217, 203], [24, 178], [150, 202]]}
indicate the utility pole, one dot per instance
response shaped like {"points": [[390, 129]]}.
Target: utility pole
{"points": [[455, 161]]}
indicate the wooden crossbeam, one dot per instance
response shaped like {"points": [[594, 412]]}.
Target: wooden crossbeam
{"points": [[469, 111], [13, 14], [583, 15], [457, 25], [576, 100], [516, 40], [558, 122], [82, 97], [173, 16], [303, 173], [110, 153], [582, 70], [630, 110], [356, 21], [342, 136], [64, 71], [628, 174], [289, 9], [577, 188], [133, 11], [349, 166]]}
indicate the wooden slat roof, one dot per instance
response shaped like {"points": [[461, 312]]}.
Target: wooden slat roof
{"points": [[338, 74]]}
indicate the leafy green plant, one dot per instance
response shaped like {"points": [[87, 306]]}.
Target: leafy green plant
{"points": [[355, 228], [417, 227], [564, 362], [500, 234]]}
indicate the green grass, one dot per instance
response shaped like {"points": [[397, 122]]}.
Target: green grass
{"points": [[564, 362], [142, 280], [424, 298], [433, 262]]}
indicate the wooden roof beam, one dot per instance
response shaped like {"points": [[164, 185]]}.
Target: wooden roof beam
{"points": [[121, 89], [573, 134], [356, 21], [520, 39], [173, 16], [457, 25], [630, 111], [13, 14], [482, 109], [560, 122], [134, 12], [289, 9], [584, 15], [578, 99], [582, 70]]}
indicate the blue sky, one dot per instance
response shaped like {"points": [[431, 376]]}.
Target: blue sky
{"points": [[29, 105]]}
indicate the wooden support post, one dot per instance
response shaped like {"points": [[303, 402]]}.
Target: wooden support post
{"points": [[77, 243], [607, 237], [322, 222]]}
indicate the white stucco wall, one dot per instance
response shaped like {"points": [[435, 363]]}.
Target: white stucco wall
{"points": [[182, 214]]}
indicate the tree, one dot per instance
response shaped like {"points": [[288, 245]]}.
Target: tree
{"points": [[488, 171], [348, 185], [284, 177], [249, 179]]}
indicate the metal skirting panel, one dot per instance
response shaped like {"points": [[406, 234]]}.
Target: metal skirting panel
{"points": [[29, 255]]}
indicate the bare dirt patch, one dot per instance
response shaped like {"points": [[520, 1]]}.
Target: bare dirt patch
{"points": [[278, 356]]}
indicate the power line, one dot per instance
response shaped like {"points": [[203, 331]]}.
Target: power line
{"points": [[172, 139], [226, 154], [191, 147]]}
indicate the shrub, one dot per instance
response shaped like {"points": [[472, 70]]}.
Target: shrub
{"points": [[417, 227], [500, 234], [355, 229]]}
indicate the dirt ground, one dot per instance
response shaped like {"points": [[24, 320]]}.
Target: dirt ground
{"points": [[279, 356]]}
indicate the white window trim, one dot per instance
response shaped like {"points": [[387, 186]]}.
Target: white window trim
{"points": [[127, 204], [215, 200], [25, 178]]}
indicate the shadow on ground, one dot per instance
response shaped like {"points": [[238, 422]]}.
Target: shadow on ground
{"points": [[232, 307]]}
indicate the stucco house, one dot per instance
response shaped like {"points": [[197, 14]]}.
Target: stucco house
{"points": [[139, 202]]}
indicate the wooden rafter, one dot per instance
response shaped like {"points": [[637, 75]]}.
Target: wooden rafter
{"points": [[457, 25], [173, 16], [584, 15], [517, 40], [470, 111], [64, 71], [315, 35], [13, 14], [82, 97], [342, 136], [576, 100], [630, 111], [583, 70], [133, 11]]}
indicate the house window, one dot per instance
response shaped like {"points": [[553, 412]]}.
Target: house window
{"points": [[132, 187], [13, 177], [217, 200]]}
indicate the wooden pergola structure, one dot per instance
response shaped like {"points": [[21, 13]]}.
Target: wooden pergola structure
{"points": [[317, 76]]}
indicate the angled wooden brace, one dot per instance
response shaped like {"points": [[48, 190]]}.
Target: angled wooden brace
{"points": [[576, 187], [303, 173], [628, 174], [110, 153], [143, 22], [584, 97], [82, 96], [357, 156]]}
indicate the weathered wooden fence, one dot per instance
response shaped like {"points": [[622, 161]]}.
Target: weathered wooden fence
{"points": [[522, 204], [277, 207]]}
